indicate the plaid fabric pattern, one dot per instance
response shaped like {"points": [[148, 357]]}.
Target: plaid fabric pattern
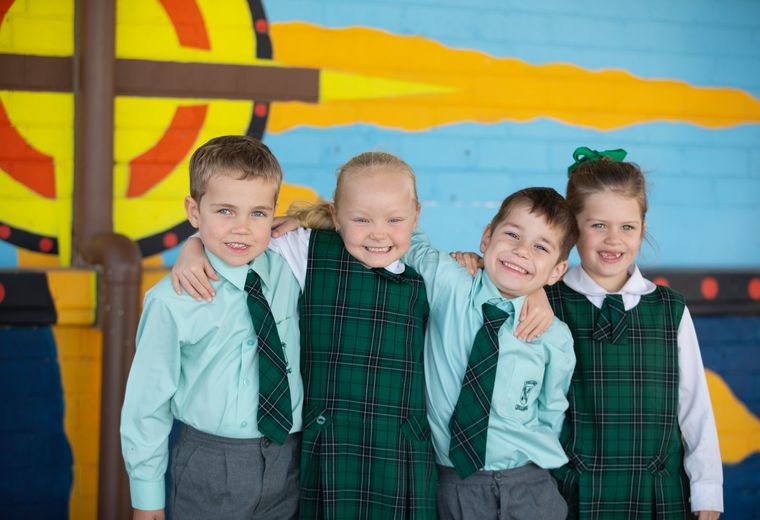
{"points": [[621, 433], [367, 452], [275, 415], [611, 325], [469, 422]]}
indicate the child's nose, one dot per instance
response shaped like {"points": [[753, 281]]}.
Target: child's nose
{"points": [[241, 225], [377, 232], [521, 251]]}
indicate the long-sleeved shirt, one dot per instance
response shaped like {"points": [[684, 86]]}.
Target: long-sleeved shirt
{"points": [[198, 363], [532, 378], [695, 415]]}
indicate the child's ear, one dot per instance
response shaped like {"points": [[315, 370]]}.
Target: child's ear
{"points": [[485, 239], [191, 209], [334, 215], [557, 272]]}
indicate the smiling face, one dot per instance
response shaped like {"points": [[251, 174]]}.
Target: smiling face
{"points": [[611, 230], [521, 253], [234, 216], [376, 214]]}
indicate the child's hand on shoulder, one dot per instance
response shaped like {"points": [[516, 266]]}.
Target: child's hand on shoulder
{"points": [[284, 224], [536, 316], [192, 271], [470, 261], [141, 514], [707, 515]]}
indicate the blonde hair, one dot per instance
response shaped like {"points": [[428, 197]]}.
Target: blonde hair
{"points": [[318, 215], [239, 155]]}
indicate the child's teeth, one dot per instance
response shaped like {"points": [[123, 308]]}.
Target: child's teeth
{"points": [[515, 267]]}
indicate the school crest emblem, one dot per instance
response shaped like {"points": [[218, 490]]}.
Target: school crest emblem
{"points": [[527, 387]]}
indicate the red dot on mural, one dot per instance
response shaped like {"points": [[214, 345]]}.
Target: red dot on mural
{"points": [[709, 287], [46, 244], [170, 240], [261, 25], [754, 289], [260, 110], [2, 292], [661, 280], [5, 232]]}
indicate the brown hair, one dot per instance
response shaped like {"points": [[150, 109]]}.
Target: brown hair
{"points": [[622, 178], [317, 215], [547, 203], [240, 155]]}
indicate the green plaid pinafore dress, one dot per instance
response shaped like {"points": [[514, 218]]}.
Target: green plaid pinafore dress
{"points": [[621, 431], [366, 450]]}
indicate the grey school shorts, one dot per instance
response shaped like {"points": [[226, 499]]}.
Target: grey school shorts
{"points": [[229, 479], [527, 492]]}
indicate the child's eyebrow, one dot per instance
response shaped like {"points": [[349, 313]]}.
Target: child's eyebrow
{"points": [[548, 241], [596, 219], [228, 205]]}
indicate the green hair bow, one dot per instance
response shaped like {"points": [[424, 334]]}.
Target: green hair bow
{"points": [[583, 154]]}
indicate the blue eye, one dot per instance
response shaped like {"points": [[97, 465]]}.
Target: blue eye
{"points": [[512, 234], [224, 211], [598, 226], [628, 227], [542, 248], [259, 214]]}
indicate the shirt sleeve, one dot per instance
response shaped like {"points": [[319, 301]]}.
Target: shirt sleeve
{"points": [[294, 248], [695, 417], [560, 363], [441, 273], [146, 417]]}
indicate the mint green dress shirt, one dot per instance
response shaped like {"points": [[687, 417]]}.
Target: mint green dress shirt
{"points": [[198, 362], [532, 378]]}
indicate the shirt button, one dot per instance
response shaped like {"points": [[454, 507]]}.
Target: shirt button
{"points": [[243, 424], [321, 420], [250, 342], [246, 381]]}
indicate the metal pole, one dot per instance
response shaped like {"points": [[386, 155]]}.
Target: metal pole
{"points": [[94, 241]]}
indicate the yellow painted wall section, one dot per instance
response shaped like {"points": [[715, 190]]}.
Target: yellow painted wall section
{"points": [[738, 428], [80, 355], [474, 86]]}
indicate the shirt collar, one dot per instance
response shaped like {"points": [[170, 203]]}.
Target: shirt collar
{"points": [[489, 293], [396, 267], [578, 280], [237, 275]]}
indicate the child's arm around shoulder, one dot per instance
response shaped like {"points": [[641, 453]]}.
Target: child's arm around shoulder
{"points": [[293, 246], [443, 276], [702, 461], [558, 371], [536, 315], [192, 271]]}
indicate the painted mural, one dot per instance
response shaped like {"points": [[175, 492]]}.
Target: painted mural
{"points": [[480, 98]]}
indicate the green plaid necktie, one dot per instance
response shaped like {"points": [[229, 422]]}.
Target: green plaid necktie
{"points": [[469, 423], [275, 417], [611, 325]]}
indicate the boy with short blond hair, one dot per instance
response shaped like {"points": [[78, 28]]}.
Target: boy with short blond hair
{"points": [[227, 370], [495, 403]]}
